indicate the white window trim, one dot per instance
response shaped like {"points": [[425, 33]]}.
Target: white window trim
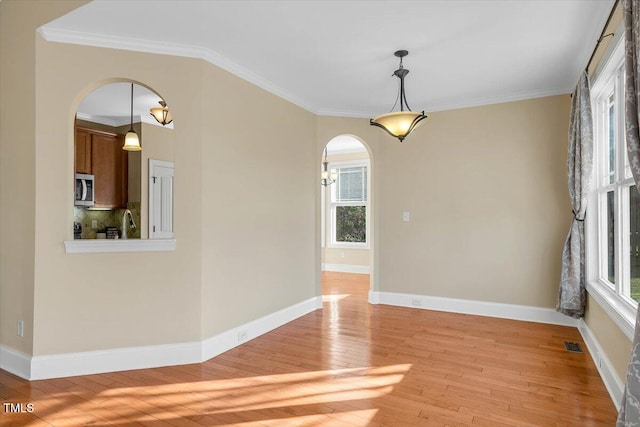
{"points": [[331, 242], [619, 308]]}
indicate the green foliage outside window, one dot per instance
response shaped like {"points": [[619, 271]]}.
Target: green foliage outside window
{"points": [[351, 224]]}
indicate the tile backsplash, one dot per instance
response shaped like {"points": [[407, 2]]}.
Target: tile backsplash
{"points": [[109, 218]]}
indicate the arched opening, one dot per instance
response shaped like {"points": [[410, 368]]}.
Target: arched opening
{"points": [[115, 196], [346, 215]]}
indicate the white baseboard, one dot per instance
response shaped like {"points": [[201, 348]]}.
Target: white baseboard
{"points": [[346, 268], [479, 308], [227, 340], [124, 359], [613, 383], [15, 362], [119, 359]]}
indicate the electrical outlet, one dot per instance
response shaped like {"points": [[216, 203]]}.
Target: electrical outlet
{"points": [[242, 336], [406, 216], [416, 302], [94, 224], [20, 330]]}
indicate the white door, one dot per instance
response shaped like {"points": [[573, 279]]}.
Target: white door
{"points": [[160, 199]]}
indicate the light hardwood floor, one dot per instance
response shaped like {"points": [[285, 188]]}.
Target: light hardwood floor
{"points": [[350, 364]]}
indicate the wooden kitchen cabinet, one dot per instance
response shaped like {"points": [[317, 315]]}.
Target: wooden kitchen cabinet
{"points": [[83, 151], [107, 162]]}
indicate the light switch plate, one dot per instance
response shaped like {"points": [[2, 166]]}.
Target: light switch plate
{"points": [[406, 216]]}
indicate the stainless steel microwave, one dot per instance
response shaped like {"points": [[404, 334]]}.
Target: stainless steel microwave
{"points": [[85, 186]]}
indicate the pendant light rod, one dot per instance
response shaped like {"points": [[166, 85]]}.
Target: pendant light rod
{"points": [[131, 125], [399, 124], [400, 73]]}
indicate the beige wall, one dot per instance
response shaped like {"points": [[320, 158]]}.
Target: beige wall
{"points": [[613, 341], [243, 250], [100, 301], [18, 21], [486, 190], [258, 241]]}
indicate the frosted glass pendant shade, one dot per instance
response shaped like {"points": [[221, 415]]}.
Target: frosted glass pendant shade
{"points": [[399, 124], [131, 141]]}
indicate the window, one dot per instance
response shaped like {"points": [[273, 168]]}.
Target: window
{"points": [[613, 218], [349, 205]]}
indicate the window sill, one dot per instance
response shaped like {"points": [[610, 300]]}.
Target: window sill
{"points": [[622, 314], [91, 246], [348, 246]]}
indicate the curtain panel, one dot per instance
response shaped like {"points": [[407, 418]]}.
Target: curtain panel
{"points": [[572, 293], [630, 408]]}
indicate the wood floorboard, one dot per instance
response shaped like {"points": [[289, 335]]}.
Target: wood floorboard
{"points": [[350, 364]]}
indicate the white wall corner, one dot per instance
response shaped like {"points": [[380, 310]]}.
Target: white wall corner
{"points": [[229, 339], [613, 383], [346, 268], [15, 362]]}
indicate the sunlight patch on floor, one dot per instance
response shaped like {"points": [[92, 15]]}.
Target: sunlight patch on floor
{"points": [[298, 392], [334, 297]]}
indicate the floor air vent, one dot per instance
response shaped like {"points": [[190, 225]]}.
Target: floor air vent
{"points": [[573, 347]]}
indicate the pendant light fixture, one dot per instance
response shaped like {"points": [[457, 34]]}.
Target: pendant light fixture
{"points": [[131, 140], [162, 114], [399, 124], [325, 178]]}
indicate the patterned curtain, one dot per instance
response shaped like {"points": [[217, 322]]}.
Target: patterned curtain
{"points": [[572, 294], [630, 409]]}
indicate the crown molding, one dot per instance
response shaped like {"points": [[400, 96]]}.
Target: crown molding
{"points": [[173, 49], [181, 50], [107, 121], [482, 101]]}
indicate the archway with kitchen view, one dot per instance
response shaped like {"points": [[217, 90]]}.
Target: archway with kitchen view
{"points": [[114, 187], [346, 220]]}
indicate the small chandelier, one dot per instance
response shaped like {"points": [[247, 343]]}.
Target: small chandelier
{"points": [[399, 124], [162, 114], [131, 140], [325, 178]]}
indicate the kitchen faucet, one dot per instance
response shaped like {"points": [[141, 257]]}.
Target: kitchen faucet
{"points": [[132, 223]]}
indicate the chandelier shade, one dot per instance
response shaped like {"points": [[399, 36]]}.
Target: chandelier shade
{"points": [[327, 179], [399, 124], [162, 113], [131, 139]]}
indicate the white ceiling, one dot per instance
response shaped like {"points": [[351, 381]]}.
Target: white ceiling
{"points": [[343, 144], [336, 57], [111, 105]]}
